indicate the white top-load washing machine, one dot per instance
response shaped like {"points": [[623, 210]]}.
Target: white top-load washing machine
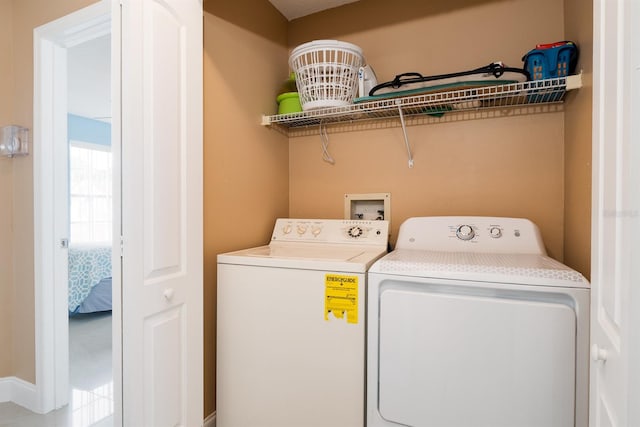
{"points": [[470, 324], [291, 325]]}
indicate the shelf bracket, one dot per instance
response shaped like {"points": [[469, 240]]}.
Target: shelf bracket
{"points": [[574, 82], [404, 131]]}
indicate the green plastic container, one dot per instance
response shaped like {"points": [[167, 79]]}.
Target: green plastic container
{"points": [[289, 102]]}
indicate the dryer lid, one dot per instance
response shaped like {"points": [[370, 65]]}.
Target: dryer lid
{"points": [[527, 269]]}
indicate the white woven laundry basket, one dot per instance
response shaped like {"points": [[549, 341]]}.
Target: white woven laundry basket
{"points": [[326, 73]]}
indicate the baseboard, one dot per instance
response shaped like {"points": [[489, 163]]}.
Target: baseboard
{"points": [[6, 387], [210, 421], [20, 392]]}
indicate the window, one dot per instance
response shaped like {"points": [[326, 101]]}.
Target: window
{"points": [[90, 192]]}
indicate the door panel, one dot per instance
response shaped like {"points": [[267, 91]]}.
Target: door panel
{"points": [[612, 215], [167, 139], [163, 352], [161, 132], [455, 360]]}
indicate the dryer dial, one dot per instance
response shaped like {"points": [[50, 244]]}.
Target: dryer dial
{"points": [[495, 232], [465, 232]]}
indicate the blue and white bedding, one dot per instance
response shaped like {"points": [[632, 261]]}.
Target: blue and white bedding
{"points": [[89, 279]]}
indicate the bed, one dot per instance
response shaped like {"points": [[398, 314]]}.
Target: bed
{"points": [[89, 279]]}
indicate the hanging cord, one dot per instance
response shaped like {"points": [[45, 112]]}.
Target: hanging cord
{"points": [[324, 137]]}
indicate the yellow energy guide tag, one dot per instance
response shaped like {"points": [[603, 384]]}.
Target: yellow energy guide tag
{"points": [[341, 296]]}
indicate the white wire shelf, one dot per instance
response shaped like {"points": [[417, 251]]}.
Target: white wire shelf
{"points": [[507, 96]]}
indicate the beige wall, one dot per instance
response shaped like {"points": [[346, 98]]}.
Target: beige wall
{"points": [[578, 114], [27, 15], [510, 166], [506, 167], [245, 164], [6, 193]]}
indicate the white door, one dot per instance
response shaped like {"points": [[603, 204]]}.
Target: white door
{"points": [[160, 125], [615, 342]]}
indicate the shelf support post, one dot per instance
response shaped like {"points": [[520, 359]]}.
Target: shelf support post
{"points": [[404, 131]]}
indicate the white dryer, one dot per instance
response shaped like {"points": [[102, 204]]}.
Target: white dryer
{"points": [[470, 324], [291, 325]]}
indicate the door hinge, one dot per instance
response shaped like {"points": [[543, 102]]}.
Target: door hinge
{"points": [[121, 246], [64, 243]]}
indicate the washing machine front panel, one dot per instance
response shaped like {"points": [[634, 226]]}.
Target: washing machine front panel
{"points": [[455, 359], [282, 360]]}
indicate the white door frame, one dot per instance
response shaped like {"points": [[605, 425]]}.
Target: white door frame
{"points": [[50, 131]]}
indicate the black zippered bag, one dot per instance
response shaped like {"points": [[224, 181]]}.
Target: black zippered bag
{"points": [[495, 69]]}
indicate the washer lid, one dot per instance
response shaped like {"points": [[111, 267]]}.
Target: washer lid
{"points": [[306, 256], [526, 269]]}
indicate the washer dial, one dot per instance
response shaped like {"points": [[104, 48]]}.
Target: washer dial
{"points": [[465, 232], [495, 232], [355, 231]]}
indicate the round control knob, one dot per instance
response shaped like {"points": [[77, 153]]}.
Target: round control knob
{"points": [[465, 232], [355, 231], [315, 230], [287, 229], [495, 232], [301, 229]]}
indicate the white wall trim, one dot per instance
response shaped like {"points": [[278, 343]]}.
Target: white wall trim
{"points": [[49, 129], [6, 389], [44, 252], [210, 421], [20, 392]]}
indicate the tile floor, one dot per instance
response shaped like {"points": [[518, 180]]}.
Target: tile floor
{"points": [[90, 379]]}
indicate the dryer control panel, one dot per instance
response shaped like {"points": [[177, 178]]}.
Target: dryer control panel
{"points": [[338, 231], [471, 234]]}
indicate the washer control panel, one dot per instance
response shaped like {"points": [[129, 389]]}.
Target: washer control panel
{"points": [[471, 234], [360, 232]]}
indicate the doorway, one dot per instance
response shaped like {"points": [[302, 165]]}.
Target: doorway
{"points": [[73, 215], [90, 191]]}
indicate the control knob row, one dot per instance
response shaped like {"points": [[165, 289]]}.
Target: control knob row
{"points": [[301, 229], [466, 232]]}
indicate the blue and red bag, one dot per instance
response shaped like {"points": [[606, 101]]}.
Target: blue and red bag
{"points": [[551, 60]]}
